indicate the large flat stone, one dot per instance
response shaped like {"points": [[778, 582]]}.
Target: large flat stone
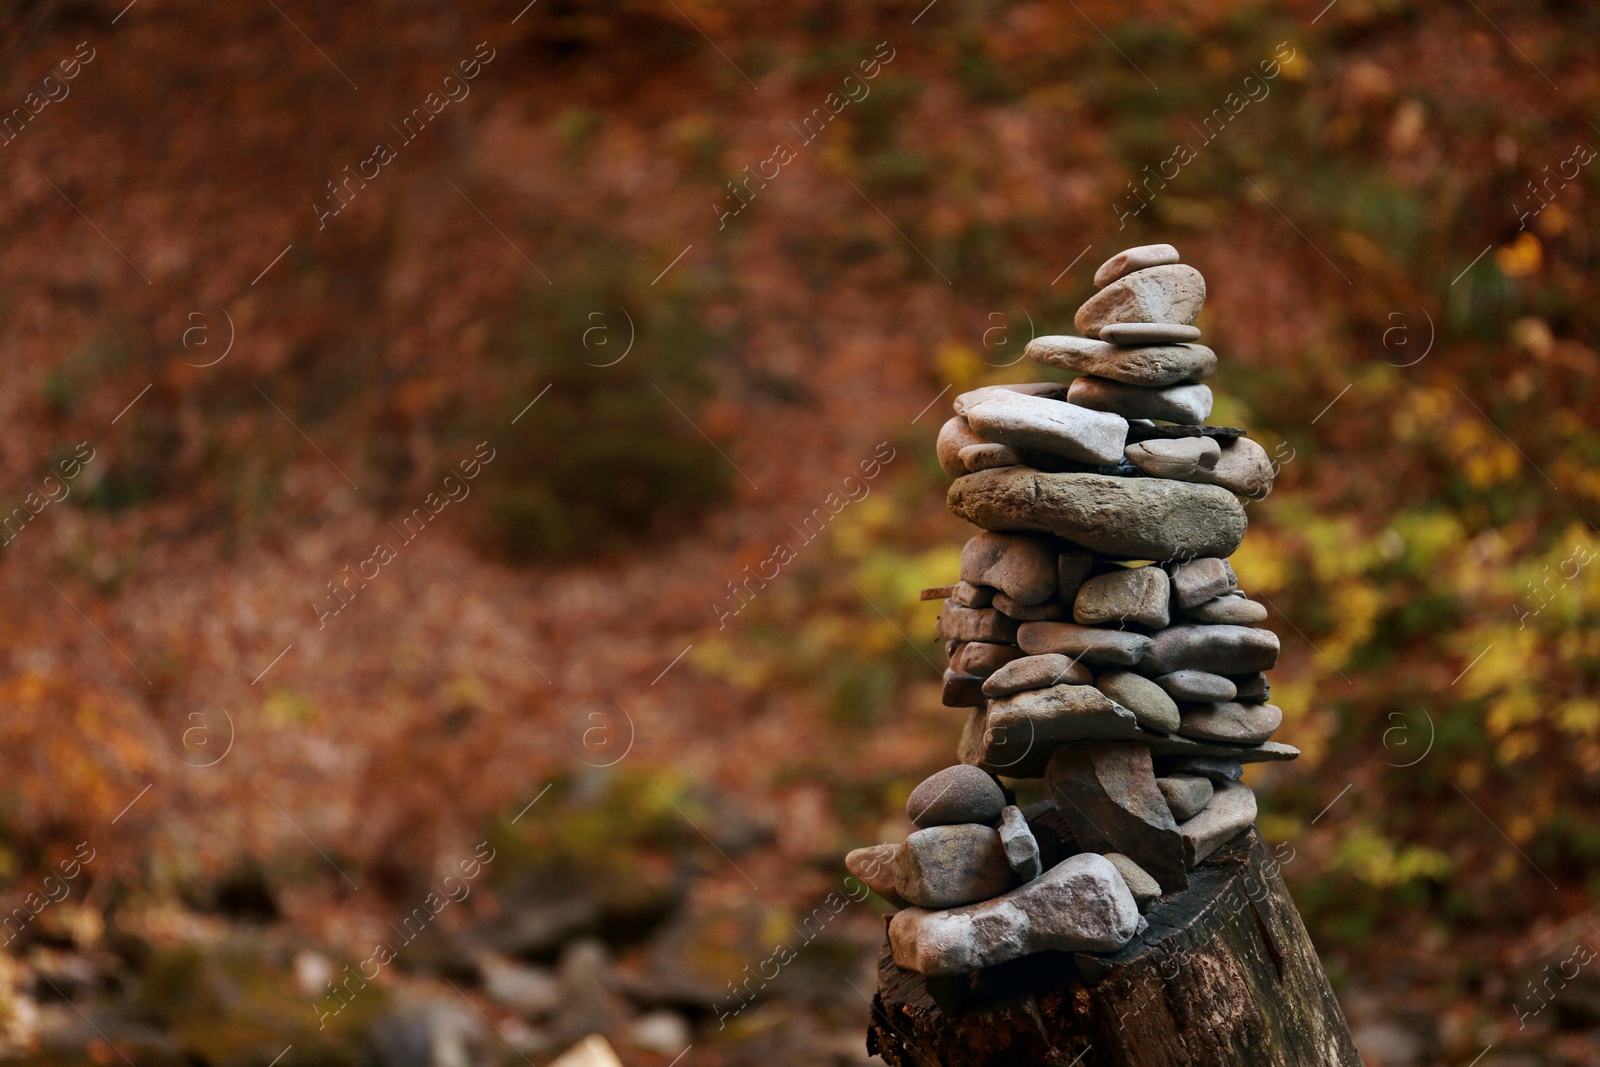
{"points": [[1036, 672], [1240, 724], [1128, 518], [1053, 426], [1108, 794], [1051, 716], [1172, 292], [946, 866], [1086, 643], [1185, 404], [1214, 649], [1022, 567], [1082, 904], [1151, 365], [963, 401], [1229, 814], [1134, 596]]}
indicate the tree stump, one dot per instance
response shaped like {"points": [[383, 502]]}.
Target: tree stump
{"points": [[1225, 976]]}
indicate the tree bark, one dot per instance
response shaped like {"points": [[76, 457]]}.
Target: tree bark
{"points": [[1225, 976]]}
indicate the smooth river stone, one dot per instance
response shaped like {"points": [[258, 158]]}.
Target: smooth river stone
{"points": [[875, 867], [1023, 568], [1181, 458], [1132, 259], [1172, 293], [1052, 426], [1187, 794], [1148, 333], [1197, 686], [1239, 724], [946, 866], [957, 794], [1035, 672], [1229, 814], [988, 456], [1150, 365], [1022, 848], [1234, 609], [1090, 644], [1131, 518], [1244, 468], [1144, 888], [975, 624], [1188, 404], [1080, 905], [1200, 580], [1136, 595], [982, 658], [963, 401], [1149, 703], [1108, 795], [1216, 649], [955, 435], [1047, 717]]}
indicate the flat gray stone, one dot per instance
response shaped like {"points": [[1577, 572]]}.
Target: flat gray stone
{"points": [[963, 401], [1048, 611], [1178, 746], [1234, 609], [875, 867], [1035, 672], [955, 435], [1132, 259], [1149, 703], [958, 794], [1145, 889], [1200, 580], [1252, 688], [947, 866], [1086, 643], [1187, 404], [1187, 794], [1153, 365], [1108, 795], [1021, 567], [1130, 518], [1214, 649], [982, 658], [1197, 686], [1243, 467], [1240, 724], [1184, 458], [1053, 426], [1126, 596], [975, 624], [1044, 717], [1146, 333], [1172, 292], [1229, 814], [1022, 849], [972, 596], [1082, 904]]}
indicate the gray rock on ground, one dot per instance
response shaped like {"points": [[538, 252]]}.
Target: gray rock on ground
{"points": [[1020, 566], [1088, 644], [1134, 596], [955, 435], [1145, 889], [1150, 365], [1229, 814], [1129, 518], [947, 866], [1234, 609], [1149, 703], [1200, 686], [1046, 425], [975, 624], [1148, 333], [1082, 904], [1184, 458], [1185, 404], [1172, 292], [1108, 795], [1240, 724], [1187, 794], [875, 867], [1132, 259], [1201, 647], [1022, 849], [1036, 672], [1200, 580], [957, 794]]}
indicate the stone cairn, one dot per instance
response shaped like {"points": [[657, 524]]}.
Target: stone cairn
{"points": [[1099, 636]]}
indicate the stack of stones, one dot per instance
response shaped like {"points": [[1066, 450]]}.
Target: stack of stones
{"points": [[1100, 638]]}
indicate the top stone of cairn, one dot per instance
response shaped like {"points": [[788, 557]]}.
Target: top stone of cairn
{"points": [[1132, 259]]}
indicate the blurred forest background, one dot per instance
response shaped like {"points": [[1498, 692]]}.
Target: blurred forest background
{"points": [[241, 744]]}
